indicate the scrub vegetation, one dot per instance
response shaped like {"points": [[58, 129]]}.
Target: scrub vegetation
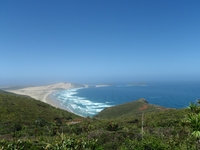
{"points": [[26, 123]]}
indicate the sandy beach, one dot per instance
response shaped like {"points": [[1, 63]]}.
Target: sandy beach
{"points": [[43, 93]]}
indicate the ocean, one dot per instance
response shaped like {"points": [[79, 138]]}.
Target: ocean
{"points": [[89, 101]]}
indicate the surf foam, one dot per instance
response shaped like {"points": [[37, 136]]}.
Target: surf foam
{"points": [[79, 105]]}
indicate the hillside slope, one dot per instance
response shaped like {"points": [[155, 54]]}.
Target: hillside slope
{"points": [[26, 123], [25, 111], [129, 109]]}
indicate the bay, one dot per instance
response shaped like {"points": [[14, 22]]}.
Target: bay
{"points": [[89, 101]]}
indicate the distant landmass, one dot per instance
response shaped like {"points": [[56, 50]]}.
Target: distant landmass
{"points": [[137, 84]]}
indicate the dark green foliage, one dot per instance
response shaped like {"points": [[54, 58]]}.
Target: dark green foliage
{"points": [[193, 119], [148, 143], [194, 108], [19, 145], [40, 122], [65, 143], [24, 112], [26, 123], [17, 127], [112, 126]]}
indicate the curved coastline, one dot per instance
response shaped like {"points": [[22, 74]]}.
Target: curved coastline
{"points": [[45, 93], [81, 106], [72, 103], [54, 101], [50, 99]]}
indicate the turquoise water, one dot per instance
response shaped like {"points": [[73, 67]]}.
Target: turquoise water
{"points": [[90, 101]]}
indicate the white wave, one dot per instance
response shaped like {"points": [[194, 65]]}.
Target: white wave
{"points": [[92, 107], [98, 110], [79, 105]]}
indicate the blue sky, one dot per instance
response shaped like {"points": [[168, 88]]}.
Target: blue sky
{"points": [[99, 41]]}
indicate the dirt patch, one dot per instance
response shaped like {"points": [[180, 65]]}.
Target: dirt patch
{"points": [[73, 122], [143, 107], [6, 136]]}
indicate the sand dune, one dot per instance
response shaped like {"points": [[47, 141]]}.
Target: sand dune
{"points": [[42, 92]]}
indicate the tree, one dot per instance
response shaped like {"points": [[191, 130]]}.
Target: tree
{"points": [[193, 119], [198, 101], [194, 108]]}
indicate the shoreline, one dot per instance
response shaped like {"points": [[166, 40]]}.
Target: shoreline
{"points": [[50, 99], [58, 104], [45, 93]]}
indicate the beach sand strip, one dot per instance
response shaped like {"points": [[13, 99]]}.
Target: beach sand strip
{"points": [[43, 93]]}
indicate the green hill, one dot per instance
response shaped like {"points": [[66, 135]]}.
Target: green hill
{"points": [[26, 123], [129, 109], [23, 111]]}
